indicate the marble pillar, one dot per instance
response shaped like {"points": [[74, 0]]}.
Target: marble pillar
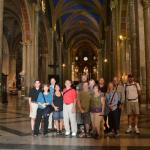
{"points": [[51, 52], [27, 45], [69, 63], [60, 61], [141, 49], [99, 64], [146, 4], [1, 39], [133, 36], [108, 55], [114, 37], [35, 45]]}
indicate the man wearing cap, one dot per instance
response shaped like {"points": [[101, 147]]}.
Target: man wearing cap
{"points": [[132, 90]]}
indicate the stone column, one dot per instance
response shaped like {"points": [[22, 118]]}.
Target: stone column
{"points": [[133, 36], [114, 38], [69, 63], [51, 52], [99, 63], [122, 50], [34, 50], [108, 54], [46, 67], [146, 4], [29, 68], [26, 66], [1, 39], [60, 60]]}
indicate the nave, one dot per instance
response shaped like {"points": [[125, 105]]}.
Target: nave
{"points": [[41, 39]]}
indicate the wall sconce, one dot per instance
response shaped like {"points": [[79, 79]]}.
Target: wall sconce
{"points": [[85, 58], [55, 27], [63, 65], [94, 58], [121, 37], [105, 60], [76, 69], [94, 69], [76, 58], [43, 5]]}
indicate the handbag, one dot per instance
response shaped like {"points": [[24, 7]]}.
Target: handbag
{"points": [[48, 109]]}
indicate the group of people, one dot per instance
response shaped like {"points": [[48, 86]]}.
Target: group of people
{"points": [[88, 109]]}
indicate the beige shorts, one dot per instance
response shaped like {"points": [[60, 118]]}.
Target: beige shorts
{"points": [[33, 110], [133, 108]]}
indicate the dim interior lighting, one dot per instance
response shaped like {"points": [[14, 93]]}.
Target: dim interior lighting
{"points": [[55, 27], [76, 69], [105, 60], [121, 37], [43, 6], [94, 57], [76, 58], [62, 39], [63, 65], [85, 58], [124, 77]]}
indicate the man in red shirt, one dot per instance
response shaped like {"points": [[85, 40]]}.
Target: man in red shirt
{"points": [[69, 109]]}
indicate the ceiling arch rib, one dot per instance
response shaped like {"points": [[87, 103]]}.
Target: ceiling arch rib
{"points": [[80, 12], [80, 22], [81, 37], [64, 7], [76, 29], [92, 6], [101, 10], [84, 44], [79, 33], [76, 18]]}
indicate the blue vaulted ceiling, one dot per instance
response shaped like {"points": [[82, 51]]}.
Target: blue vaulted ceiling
{"points": [[79, 18], [85, 5]]}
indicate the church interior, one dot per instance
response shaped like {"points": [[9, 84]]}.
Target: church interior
{"points": [[41, 39]]}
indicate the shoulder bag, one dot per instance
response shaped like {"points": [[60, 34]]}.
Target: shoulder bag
{"points": [[48, 109]]}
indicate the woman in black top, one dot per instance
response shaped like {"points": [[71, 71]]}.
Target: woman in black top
{"points": [[58, 115]]}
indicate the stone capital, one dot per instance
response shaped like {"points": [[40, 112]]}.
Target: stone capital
{"points": [[131, 2], [26, 43], [146, 4], [113, 5]]}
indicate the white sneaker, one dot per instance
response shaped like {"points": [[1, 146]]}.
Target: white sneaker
{"points": [[137, 131], [129, 130], [74, 134], [67, 133]]}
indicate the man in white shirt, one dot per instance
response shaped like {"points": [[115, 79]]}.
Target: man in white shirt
{"points": [[133, 90]]}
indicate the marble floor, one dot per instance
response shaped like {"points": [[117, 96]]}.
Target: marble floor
{"points": [[15, 132]]}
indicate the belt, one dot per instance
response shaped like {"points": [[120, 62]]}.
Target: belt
{"points": [[133, 99]]}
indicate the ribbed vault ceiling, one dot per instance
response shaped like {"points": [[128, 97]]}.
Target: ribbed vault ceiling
{"points": [[80, 21]]}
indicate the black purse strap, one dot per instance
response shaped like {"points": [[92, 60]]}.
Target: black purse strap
{"points": [[112, 98], [44, 98], [67, 91]]}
